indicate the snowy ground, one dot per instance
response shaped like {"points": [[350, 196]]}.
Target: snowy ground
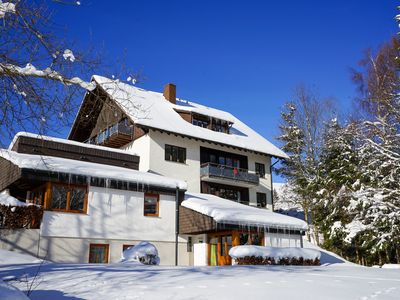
{"points": [[121, 281]]}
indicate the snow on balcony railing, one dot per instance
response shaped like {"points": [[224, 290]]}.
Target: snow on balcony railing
{"points": [[228, 172]]}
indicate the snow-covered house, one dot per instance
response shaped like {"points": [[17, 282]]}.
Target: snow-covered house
{"points": [[210, 149], [109, 185], [96, 203]]}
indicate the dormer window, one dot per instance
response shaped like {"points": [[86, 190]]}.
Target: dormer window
{"points": [[220, 126], [210, 122], [200, 122]]}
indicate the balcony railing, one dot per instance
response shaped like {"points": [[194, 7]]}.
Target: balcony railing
{"points": [[116, 135], [229, 173]]}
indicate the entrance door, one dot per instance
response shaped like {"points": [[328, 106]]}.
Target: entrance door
{"points": [[220, 244], [224, 245]]}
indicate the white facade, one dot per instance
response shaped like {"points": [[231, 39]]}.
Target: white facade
{"points": [[114, 217], [151, 149]]}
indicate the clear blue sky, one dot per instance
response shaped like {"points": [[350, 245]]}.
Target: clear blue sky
{"points": [[245, 57]]}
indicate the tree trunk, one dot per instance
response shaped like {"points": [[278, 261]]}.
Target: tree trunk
{"points": [[306, 212]]}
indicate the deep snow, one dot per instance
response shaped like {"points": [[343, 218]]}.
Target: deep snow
{"points": [[125, 281]]}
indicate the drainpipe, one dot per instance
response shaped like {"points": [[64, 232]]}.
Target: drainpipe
{"points": [[176, 224], [272, 187]]}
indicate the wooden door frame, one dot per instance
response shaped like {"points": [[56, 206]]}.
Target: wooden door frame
{"points": [[235, 234]]}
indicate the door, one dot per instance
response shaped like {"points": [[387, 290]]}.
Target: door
{"points": [[219, 246], [225, 244]]}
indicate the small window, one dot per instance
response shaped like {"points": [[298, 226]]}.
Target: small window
{"points": [[261, 200], [260, 169], [175, 153], [126, 247], [189, 245], [151, 205], [98, 253]]}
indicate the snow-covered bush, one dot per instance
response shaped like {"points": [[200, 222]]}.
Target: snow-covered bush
{"points": [[259, 255], [144, 252]]}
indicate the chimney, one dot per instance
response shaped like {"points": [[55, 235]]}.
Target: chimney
{"points": [[170, 92]]}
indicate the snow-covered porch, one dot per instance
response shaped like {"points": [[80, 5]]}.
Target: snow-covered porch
{"points": [[216, 225]]}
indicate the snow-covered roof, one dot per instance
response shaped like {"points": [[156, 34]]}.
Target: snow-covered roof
{"points": [[229, 212], [76, 167], [64, 141], [151, 109]]}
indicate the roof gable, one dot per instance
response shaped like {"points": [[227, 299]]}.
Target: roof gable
{"points": [[150, 109]]}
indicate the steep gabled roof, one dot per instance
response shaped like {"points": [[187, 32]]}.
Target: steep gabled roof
{"points": [[151, 109]]}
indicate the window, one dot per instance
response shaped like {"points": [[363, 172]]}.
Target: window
{"points": [[200, 123], [68, 198], [249, 238], [260, 169], [151, 205], [126, 247], [261, 200], [98, 253], [189, 245], [175, 153]]}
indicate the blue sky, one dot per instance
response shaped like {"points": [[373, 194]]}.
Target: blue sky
{"points": [[245, 57]]}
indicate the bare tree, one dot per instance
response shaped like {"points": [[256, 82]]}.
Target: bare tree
{"points": [[301, 132], [39, 71]]}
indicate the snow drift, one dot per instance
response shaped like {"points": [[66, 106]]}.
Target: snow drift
{"points": [[144, 252]]}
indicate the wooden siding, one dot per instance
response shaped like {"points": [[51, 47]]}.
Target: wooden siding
{"points": [[39, 146], [9, 173], [192, 222], [86, 118], [110, 114]]}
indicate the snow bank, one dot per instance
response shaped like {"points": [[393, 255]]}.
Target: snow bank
{"points": [[229, 212], [144, 252], [151, 109], [273, 252], [12, 257], [391, 266], [7, 200], [75, 167], [8, 292]]}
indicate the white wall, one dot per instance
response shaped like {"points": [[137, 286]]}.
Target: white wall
{"points": [[200, 252], [282, 240], [190, 171], [140, 147], [114, 214]]}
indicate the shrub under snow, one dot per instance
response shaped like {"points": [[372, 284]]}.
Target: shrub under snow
{"points": [[144, 252], [259, 255]]}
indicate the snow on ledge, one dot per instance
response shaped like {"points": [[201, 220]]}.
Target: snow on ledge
{"points": [[273, 252], [229, 212], [7, 200], [76, 167], [64, 141]]}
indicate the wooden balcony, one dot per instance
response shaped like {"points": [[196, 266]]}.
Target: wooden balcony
{"points": [[114, 136]]}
